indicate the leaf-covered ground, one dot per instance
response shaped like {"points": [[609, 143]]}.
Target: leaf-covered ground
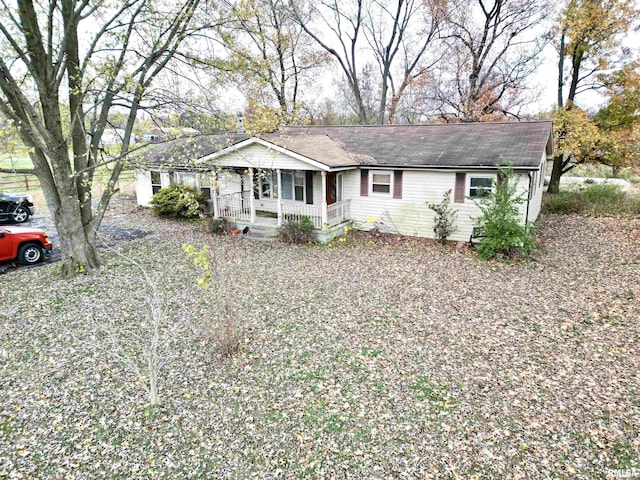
{"points": [[387, 359]]}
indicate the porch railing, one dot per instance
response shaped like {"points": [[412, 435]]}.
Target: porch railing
{"points": [[339, 212], [236, 206], [294, 212]]}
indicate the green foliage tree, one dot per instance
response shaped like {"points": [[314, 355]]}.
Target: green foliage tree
{"points": [[503, 234], [267, 57]]}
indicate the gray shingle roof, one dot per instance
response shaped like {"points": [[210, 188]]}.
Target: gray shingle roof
{"points": [[184, 151], [447, 145], [440, 145]]}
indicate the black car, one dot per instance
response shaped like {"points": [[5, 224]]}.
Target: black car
{"points": [[16, 207]]}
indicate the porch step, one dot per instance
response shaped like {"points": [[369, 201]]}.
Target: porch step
{"points": [[257, 231]]}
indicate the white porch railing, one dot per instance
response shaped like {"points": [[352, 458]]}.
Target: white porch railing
{"points": [[294, 212], [339, 212], [236, 206]]}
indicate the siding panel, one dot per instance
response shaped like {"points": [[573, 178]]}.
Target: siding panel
{"points": [[410, 215]]}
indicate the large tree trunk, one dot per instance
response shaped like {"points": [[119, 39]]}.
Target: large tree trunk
{"points": [[78, 253], [556, 173]]}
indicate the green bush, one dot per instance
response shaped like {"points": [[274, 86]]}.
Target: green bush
{"points": [[178, 201], [296, 232], [503, 234], [445, 218], [597, 200]]}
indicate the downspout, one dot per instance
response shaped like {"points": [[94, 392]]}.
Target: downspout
{"points": [[526, 217]]}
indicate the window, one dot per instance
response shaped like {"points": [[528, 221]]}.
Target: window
{"points": [[268, 184], [298, 185], [381, 182], [156, 182], [187, 179], [339, 187], [480, 186], [292, 185]]}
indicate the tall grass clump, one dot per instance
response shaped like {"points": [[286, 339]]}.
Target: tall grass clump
{"points": [[594, 200]]}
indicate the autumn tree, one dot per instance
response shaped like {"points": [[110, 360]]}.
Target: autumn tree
{"points": [[589, 43], [493, 48], [266, 55], [619, 120], [64, 67]]}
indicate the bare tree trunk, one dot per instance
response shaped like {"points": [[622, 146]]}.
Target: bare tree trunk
{"points": [[556, 173]]}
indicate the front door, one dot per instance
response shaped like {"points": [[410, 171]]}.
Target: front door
{"points": [[332, 191]]}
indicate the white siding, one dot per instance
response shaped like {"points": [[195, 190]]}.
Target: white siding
{"points": [[229, 182], [143, 187], [411, 215], [258, 156], [535, 203], [317, 188]]}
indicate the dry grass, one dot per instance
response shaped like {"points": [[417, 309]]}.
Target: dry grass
{"points": [[396, 359]]}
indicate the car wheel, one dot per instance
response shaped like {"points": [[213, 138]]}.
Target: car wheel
{"points": [[20, 214], [30, 254]]}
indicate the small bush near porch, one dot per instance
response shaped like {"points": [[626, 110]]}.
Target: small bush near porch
{"points": [[296, 231]]}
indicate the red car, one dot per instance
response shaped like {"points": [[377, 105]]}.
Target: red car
{"points": [[28, 245]]}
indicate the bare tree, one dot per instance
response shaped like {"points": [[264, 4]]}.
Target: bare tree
{"points": [[267, 56], [344, 21], [401, 32], [493, 49], [398, 34], [64, 66]]}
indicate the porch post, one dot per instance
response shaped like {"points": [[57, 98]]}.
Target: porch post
{"points": [[279, 172], [251, 199], [324, 199], [214, 192]]}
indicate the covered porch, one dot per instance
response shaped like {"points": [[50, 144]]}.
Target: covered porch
{"points": [[272, 197]]}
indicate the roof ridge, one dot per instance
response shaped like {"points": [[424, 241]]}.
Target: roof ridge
{"points": [[419, 124]]}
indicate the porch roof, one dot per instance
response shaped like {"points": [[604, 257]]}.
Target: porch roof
{"points": [[320, 148]]}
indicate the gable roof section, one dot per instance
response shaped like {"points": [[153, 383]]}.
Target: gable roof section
{"points": [[447, 145], [184, 151], [320, 148]]}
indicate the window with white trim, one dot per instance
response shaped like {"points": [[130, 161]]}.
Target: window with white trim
{"points": [[381, 182], [268, 184], [481, 185], [156, 181], [293, 185]]}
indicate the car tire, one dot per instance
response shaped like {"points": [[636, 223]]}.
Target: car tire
{"points": [[20, 214], [30, 254]]}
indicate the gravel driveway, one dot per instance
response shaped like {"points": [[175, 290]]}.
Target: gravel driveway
{"points": [[109, 233]]}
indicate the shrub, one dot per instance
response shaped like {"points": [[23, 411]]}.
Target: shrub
{"points": [[597, 200], [178, 201], [219, 226], [296, 232], [445, 218], [503, 234]]}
